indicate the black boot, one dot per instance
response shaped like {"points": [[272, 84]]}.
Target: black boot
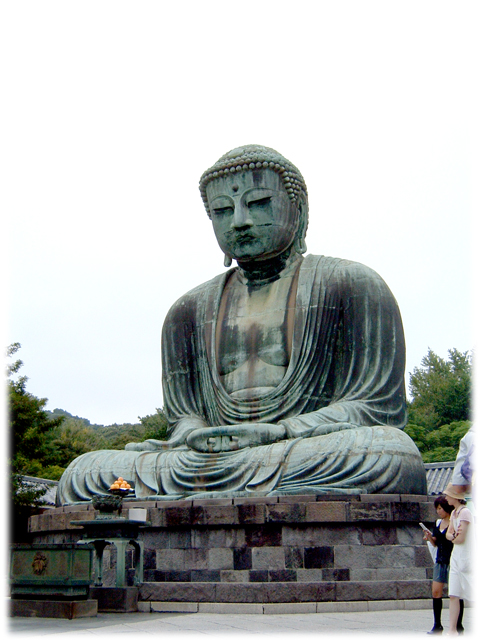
{"points": [[460, 628], [437, 616]]}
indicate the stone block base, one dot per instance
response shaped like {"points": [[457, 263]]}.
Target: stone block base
{"points": [[53, 608], [272, 550], [115, 599]]}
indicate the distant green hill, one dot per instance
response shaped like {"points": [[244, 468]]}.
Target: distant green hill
{"points": [[77, 435]]}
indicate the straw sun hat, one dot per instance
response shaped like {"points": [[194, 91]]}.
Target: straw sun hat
{"points": [[450, 491]]}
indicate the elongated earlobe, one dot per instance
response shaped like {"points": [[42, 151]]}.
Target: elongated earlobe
{"points": [[227, 261], [300, 245]]}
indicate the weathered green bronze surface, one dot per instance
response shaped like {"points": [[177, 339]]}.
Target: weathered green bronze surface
{"points": [[110, 527], [284, 375], [107, 506], [54, 571], [119, 532]]}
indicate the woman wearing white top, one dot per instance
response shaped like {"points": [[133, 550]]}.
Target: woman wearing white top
{"points": [[460, 580]]}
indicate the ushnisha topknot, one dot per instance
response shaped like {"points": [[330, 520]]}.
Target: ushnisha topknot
{"points": [[254, 156]]}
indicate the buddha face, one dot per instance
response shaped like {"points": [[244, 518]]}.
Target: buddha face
{"points": [[253, 217]]}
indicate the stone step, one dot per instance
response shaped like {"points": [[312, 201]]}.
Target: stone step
{"points": [[283, 592], [272, 608]]}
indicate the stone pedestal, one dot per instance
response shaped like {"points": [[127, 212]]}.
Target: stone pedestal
{"points": [[115, 599], [53, 608], [287, 549]]}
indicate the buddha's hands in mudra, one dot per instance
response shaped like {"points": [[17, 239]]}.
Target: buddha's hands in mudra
{"points": [[234, 437], [249, 434], [194, 433]]}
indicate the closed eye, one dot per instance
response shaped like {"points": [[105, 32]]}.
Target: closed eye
{"points": [[220, 211], [259, 203]]}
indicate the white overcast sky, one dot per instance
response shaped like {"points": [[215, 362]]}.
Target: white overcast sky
{"points": [[112, 111]]}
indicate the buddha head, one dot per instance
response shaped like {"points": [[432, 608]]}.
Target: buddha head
{"points": [[257, 201]]}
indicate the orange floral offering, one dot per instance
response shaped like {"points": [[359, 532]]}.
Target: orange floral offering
{"points": [[120, 485]]}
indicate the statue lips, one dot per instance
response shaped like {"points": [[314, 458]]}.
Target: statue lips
{"points": [[240, 237]]}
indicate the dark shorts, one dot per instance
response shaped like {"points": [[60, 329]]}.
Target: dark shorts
{"points": [[440, 573]]}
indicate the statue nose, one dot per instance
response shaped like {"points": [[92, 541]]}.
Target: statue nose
{"points": [[241, 216]]}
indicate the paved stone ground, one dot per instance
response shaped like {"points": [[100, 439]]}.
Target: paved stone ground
{"points": [[405, 622]]}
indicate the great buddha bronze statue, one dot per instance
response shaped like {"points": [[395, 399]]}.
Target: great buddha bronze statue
{"points": [[283, 375]]}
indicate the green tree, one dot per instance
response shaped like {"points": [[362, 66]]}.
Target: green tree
{"points": [[439, 412], [150, 426], [78, 435], [30, 426], [117, 435], [441, 389], [71, 439], [438, 445], [155, 425]]}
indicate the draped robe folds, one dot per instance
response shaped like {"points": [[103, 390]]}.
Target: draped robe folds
{"points": [[341, 401]]}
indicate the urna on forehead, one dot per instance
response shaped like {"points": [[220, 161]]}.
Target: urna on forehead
{"points": [[251, 157], [231, 183]]}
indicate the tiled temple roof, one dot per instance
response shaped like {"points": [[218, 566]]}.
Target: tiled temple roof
{"points": [[51, 485], [438, 476]]}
